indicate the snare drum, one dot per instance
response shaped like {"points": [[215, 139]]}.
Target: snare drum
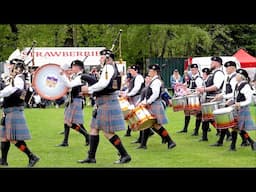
{"points": [[207, 110], [140, 118], [125, 106], [193, 102], [178, 103], [224, 118]]}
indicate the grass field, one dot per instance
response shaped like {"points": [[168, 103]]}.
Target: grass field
{"points": [[45, 125]]}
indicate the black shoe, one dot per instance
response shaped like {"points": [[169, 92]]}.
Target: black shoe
{"points": [[4, 163], [88, 160], [33, 160], [232, 149], [127, 135], [202, 140], [253, 146], [216, 145], [171, 145], [124, 159], [61, 133], [182, 131], [62, 145], [136, 141], [142, 147], [195, 134], [209, 130], [245, 144]]}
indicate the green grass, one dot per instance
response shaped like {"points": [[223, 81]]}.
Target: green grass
{"points": [[45, 124]]}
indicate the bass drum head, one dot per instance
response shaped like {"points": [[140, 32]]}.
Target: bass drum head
{"points": [[47, 82]]}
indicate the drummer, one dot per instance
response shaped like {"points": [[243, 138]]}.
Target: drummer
{"points": [[213, 86], [74, 117], [135, 86], [195, 81], [227, 93], [152, 101], [243, 98]]}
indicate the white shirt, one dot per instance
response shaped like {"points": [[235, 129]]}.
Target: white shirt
{"points": [[155, 86], [139, 80], [199, 81], [18, 84], [103, 80], [248, 92], [219, 77], [72, 83], [233, 83]]}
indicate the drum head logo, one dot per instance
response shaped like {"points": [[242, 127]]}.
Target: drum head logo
{"points": [[51, 81]]}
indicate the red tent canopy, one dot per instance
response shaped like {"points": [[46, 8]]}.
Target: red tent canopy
{"points": [[245, 59]]}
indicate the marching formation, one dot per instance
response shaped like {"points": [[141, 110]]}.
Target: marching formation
{"points": [[220, 98]]}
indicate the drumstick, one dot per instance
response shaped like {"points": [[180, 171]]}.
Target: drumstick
{"points": [[31, 97]]}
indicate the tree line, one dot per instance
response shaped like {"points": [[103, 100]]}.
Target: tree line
{"points": [[137, 42]]}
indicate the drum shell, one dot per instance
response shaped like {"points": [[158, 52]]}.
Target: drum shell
{"points": [[207, 110], [178, 103], [224, 119], [140, 118], [193, 102], [125, 106]]}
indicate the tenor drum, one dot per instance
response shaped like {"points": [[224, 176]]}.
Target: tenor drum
{"points": [[140, 118], [207, 110], [224, 118], [47, 82], [178, 103], [193, 102]]}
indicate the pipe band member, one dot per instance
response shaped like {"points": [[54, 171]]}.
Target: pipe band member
{"points": [[136, 84], [73, 114], [213, 86], [195, 81], [153, 103], [242, 99], [107, 116], [14, 128]]}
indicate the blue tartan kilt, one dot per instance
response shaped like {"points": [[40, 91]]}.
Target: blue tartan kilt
{"points": [[157, 110], [244, 119], [74, 112], [15, 127], [109, 116]]}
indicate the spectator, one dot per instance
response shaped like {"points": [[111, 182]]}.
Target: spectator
{"points": [[175, 78]]}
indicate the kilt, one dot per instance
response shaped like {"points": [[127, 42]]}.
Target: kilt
{"points": [[74, 112], [15, 125], [109, 116], [244, 119], [157, 110]]}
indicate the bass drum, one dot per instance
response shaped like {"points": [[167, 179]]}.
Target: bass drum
{"points": [[47, 82]]}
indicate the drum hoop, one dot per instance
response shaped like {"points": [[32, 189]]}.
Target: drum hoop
{"points": [[65, 90]]}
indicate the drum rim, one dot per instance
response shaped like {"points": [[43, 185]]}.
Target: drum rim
{"points": [[221, 111], [211, 103], [38, 91]]}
